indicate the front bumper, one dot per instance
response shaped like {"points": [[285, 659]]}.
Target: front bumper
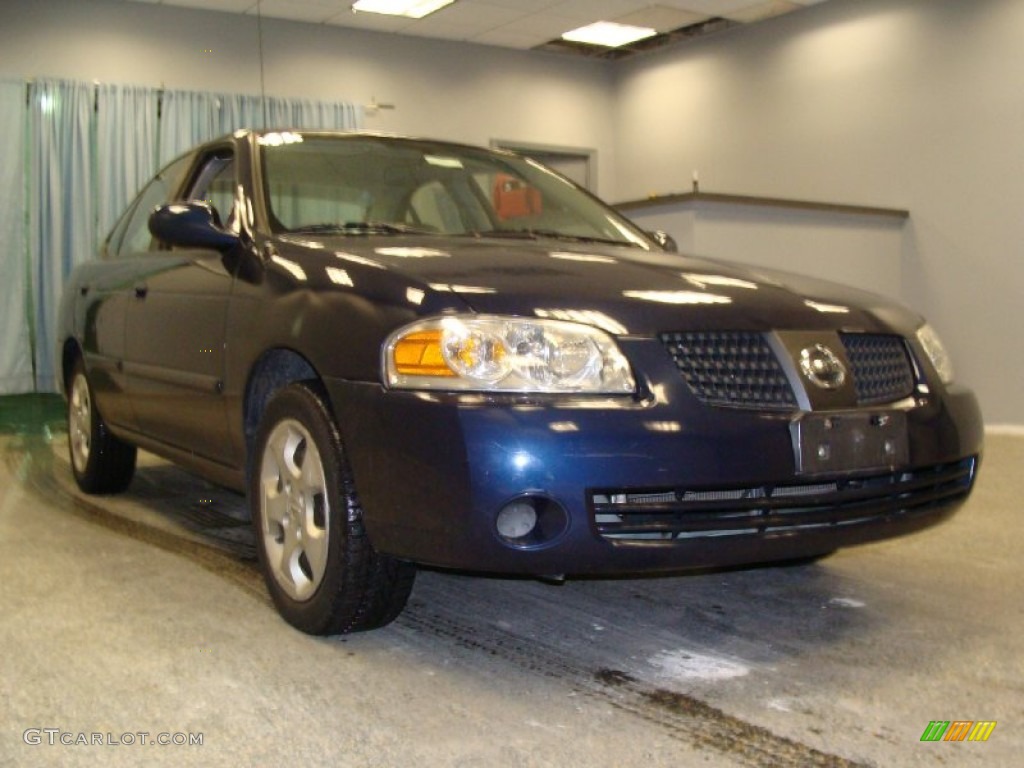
{"points": [[434, 470]]}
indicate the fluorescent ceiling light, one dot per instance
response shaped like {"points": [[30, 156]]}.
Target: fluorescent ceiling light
{"points": [[413, 9], [609, 34]]}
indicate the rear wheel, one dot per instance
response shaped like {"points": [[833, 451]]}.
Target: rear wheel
{"points": [[322, 572], [100, 462]]}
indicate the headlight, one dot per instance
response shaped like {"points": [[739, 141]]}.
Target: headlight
{"points": [[936, 353], [491, 353]]}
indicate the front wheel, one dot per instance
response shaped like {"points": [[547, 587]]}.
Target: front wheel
{"points": [[100, 462], [321, 570]]}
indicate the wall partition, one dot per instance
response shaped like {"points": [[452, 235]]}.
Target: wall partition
{"points": [[72, 155]]}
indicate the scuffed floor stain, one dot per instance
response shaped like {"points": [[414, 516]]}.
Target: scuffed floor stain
{"points": [[709, 727], [681, 717], [685, 666], [847, 602]]}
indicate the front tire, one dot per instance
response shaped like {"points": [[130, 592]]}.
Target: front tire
{"points": [[321, 570], [100, 462]]}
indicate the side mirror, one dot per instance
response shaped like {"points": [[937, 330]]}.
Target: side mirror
{"points": [[665, 240], [191, 225]]}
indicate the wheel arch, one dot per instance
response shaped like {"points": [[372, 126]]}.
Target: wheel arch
{"points": [[70, 354], [273, 370]]}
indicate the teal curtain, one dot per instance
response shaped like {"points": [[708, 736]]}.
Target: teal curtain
{"points": [[324, 115], [126, 149], [190, 117], [15, 342], [62, 200], [187, 118], [72, 156]]}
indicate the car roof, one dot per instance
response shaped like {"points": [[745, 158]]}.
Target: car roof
{"points": [[254, 134]]}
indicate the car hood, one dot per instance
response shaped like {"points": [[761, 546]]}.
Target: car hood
{"points": [[625, 290]]}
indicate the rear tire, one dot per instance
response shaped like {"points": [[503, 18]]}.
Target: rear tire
{"points": [[100, 462], [321, 570]]}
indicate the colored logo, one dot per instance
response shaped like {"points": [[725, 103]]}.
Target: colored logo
{"points": [[958, 730]]}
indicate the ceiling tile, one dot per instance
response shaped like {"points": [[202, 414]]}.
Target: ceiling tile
{"points": [[475, 14], [372, 21], [597, 10], [507, 23], [315, 11], [763, 10], [661, 18], [446, 30], [712, 7], [524, 6], [231, 6], [507, 38], [547, 26]]}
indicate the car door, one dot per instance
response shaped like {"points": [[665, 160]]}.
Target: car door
{"points": [[174, 340], [104, 291]]}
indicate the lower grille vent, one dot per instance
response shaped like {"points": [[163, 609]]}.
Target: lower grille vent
{"points": [[768, 510]]}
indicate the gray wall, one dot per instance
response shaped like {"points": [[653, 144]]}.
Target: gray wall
{"points": [[915, 104], [858, 250], [901, 103], [448, 90]]}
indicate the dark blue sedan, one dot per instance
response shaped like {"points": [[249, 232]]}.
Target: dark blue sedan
{"points": [[414, 352]]}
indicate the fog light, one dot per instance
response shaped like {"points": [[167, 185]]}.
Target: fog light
{"points": [[530, 521], [517, 520]]}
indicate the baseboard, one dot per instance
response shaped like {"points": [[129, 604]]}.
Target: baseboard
{"points": [[1011, 430]]}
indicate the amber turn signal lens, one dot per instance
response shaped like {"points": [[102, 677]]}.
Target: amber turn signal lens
{"points": [[419, 354]]}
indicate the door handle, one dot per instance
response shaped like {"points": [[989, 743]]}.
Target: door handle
{"points": [[141, 289]]}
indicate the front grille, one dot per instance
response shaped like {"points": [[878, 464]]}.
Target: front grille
{"points": [[881, 368], [739, 369], [682, 513], [731, 368]]}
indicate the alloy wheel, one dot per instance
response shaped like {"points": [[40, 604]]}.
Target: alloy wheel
{"points": [[80, 422], [295, 510]]}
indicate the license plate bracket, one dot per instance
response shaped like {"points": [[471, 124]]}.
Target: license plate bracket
{"points": [[849, 441]]}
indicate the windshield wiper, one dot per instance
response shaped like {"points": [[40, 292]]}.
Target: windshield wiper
{"points": [[554, 234], [361, 228]]}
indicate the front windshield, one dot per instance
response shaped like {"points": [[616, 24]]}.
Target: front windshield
{"points": [[360, 184]]}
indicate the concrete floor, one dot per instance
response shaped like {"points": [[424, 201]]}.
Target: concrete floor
{"points": [[144, 614]]}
